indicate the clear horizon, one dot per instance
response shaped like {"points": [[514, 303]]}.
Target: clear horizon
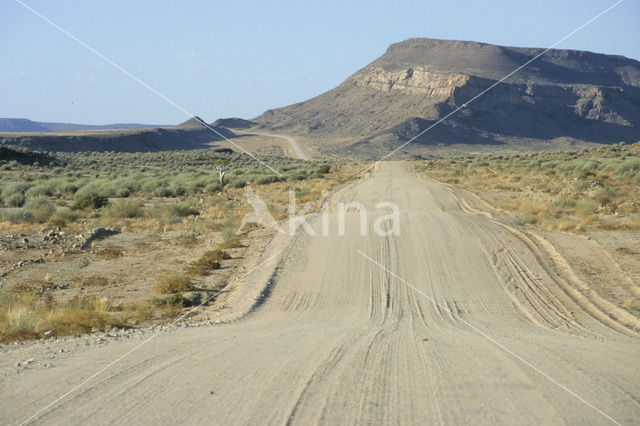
{"points": [[224, 61]]}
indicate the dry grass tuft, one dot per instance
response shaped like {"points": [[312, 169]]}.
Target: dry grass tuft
{"points": [[29, 315], [172, 283], [208, 262], [232, 242]]}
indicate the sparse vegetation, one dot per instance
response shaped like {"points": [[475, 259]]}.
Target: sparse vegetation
{"points": [[27, 315], [208, 262], [173, 200], [171, 283], [89, 201], [565, 191]]}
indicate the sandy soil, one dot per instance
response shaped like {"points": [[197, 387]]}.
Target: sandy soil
{"points": [[62, 264], [332, 336]]}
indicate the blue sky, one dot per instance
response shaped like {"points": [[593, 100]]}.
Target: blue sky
{"points": [[222, 59]]}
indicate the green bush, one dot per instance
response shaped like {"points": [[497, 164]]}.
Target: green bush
{"points": [[15, 200], [324, 169], [628, 167], [124, 209], [89, 201], [63, 216], [17, 216], [171, 212], [563, 203], [175, 299], [172, 283], [208, 262], [238, 183], [15, 188], [213, 187], [40, 190], [40, 208], [263, 180]]}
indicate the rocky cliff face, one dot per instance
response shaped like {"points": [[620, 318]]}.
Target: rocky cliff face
{"points": [[577, 95]]}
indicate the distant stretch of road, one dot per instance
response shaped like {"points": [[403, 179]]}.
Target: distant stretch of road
{"points": [[292, 142], [455, 320]]}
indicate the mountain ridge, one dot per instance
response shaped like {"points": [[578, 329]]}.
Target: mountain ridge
{"points": [[27, 125], [191, 134], [583, 97]]}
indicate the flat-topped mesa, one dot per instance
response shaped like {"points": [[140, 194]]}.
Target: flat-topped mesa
{"points": [[575, 95], [495, 62]]}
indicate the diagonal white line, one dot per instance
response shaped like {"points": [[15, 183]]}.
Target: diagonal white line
{"points": [[464, 105], [94, 51], [144, 342], [492, 340]]}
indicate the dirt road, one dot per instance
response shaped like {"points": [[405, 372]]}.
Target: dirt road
{"points": [[292, 143], [338, 339]]}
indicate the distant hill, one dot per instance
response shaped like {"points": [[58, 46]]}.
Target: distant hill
{"points": [[564, 97], [26, 125], [192, 134], [234, 123]]}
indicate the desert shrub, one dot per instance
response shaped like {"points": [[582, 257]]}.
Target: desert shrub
{"points": [[213, 187], [63, 216], [217, 254], [297, 176], [563, 203], [171, 283], [67, 187], [586, 208], [15, 188], [27, 315], [173, 211], [122, 192], [175, 299], [203, 266], [263, 180], [89, 201], [628, 167], [209, 261], [602, 196], [231, 242], [238, 183], [40, 190], [324, 169], [580, 185], [162, 191], [124, 209], [40, 208], [176, 190], [15, 200], [17, 216]]}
